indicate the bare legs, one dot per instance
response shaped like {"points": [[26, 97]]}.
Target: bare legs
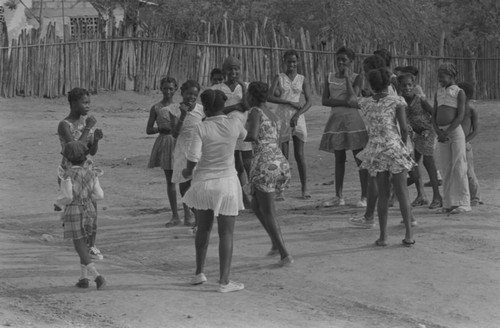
{"points": [[340, 159], [416, 178], [401, 190], [183, 187], [430, 166], [298, 152], [172, 199], [243, 162], [263, 206], [225, 229]]}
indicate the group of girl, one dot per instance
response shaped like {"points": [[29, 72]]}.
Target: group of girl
{"points": [[234, 139]]}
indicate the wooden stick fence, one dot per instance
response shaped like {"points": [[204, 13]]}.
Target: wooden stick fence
{"points": [[51, 66]]}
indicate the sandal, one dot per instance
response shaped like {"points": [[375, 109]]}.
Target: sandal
{"points": [[172, 223], [443, 210], [381, 243], [408, 243], [460, 209], [419, 202], [436, 204], [337, 201]]}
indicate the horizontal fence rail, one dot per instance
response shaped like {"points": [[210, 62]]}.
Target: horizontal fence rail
{"points": [[51, 66]]}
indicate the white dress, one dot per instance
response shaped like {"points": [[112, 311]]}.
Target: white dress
{"points": [[192, 119], [215, 184], [291, 91], [233, 98]]}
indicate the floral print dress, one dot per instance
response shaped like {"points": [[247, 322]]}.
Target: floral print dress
{"points": [[270, 170], [385, 150], [424, 137]]}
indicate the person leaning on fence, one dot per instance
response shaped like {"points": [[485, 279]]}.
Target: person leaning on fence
{"points": [[79, 126], [449, 111]]}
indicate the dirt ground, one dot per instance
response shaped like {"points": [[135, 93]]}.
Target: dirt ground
{"points": [[451, 278]]}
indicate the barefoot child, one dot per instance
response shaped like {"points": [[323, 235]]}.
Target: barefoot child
{"points": [[270, 171], [163, 148], [215, 189], [419, 115], [78, 126], [449, 110], [293, 124], [80, 188], [184, 117], [386, 152], [471, 128]]}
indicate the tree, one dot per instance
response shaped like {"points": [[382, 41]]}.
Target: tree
{"points": [[469, 23]]}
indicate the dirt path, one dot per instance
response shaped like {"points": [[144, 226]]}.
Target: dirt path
{"points": [[451, 278]]}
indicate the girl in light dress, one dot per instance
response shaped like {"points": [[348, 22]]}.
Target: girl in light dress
{"points": [[236, 106], [215, 189], [345, 129], [386, 153], [290, 85], [270, 171], [163, 148], [184, 117]]}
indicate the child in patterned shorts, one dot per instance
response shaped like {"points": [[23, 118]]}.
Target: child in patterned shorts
{"points": [[80, 187]]}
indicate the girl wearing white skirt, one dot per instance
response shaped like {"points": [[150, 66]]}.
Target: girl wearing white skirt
{"points": [[215, 189]]}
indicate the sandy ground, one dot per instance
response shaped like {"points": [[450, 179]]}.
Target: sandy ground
{"points": [[451, 278]]}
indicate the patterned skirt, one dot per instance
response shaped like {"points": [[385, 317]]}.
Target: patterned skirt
{"points": [[79, 220], [425, 143], [162, 154], [381, 158], [270, 172], [222, 195]]}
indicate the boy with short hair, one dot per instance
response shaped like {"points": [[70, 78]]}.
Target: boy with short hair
{"points": [[471, 128], [78, 126]]}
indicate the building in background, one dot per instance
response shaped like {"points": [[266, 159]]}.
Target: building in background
{"points": [[82, 18]]}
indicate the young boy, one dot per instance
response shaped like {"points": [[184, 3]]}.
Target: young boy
{"points": [[80, 188], [78, 126], [449, 110], [471, 128]]}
